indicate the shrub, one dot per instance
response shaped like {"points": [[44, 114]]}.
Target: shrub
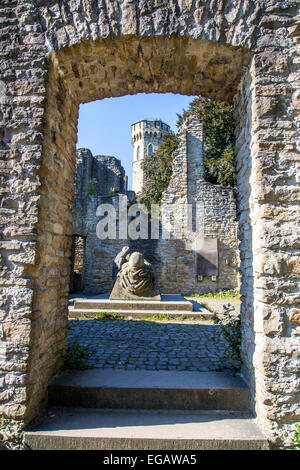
{"points": [[296, 437], [77, 356], [229, 322]]}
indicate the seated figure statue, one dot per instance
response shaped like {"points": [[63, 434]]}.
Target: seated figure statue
{"points": [[135, 280], [136, 276], [119, 260]]}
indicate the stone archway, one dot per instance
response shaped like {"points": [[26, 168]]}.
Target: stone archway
{"points": [[67, 53]]}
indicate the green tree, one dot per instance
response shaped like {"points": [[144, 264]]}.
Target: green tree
{"points": [[218, 150], [218, 139], [158, 171]]}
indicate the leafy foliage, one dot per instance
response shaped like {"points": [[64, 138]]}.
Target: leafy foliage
{"points": [[77, 356], [107, 316], [158, 171], [229, 322], [296, 437], [218, 139], [218, 150]]}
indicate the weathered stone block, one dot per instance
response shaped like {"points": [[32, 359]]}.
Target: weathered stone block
{"points": [[295, 315], [271, 63], [18, 333]]}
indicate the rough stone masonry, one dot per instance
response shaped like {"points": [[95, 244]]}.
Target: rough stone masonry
{"points": [[174, 257], [57, 54]]}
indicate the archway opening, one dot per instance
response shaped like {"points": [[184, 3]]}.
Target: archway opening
{"points": [[95, 70], [192, 261]]}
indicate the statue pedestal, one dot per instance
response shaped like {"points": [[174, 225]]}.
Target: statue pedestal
{"points": [[175, 306]]}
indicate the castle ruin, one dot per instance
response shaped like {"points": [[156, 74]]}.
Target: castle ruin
{"points": [[193, 259], [57, 55], [146, 137]]}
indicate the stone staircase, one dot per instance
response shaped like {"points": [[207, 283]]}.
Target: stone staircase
{"points": [[146, 410]]}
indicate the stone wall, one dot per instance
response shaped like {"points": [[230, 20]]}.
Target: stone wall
{"points": [[213, 215], [58, 54], [267, 156], [97, 175], [174, 260]]}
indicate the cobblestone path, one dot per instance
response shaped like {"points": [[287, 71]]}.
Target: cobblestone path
{"points": [[150, 345]]}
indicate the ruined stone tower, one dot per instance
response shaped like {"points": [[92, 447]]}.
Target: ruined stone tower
{"points": [[146, 137]]}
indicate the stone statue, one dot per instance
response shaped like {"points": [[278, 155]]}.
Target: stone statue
{"points": [[135, 278], [119, 260]]}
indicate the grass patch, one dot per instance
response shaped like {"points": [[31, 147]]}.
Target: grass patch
{"points": [[107, 316], [205, 305], [83, 315], [222, 295], [155, 317], [99, 316], [166, 318], [162, 317]]}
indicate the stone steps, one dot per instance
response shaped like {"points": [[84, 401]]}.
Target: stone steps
{"points": [[140, 389], [146, 410], [96, 429], [180, 304], [174, 306], [205, 315]]}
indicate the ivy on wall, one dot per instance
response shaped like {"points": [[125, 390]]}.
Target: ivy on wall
{"points": [[158, 171]]}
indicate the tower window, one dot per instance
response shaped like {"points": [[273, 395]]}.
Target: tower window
{"points": [[150, 149], [138, 153]]}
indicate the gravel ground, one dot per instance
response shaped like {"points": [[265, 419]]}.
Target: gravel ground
{"points": [[216, 304]]}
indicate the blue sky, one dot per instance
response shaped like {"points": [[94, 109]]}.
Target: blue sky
{"points": [[104, 126]]}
